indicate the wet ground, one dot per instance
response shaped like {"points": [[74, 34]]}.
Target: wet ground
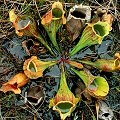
{"points": [[13, 55]]}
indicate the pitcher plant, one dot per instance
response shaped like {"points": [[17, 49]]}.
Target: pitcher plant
{"points": [[34, 68], [110, 65], [64, 102], [19, 80], [93, 34], [77, 17], [35, 94], [96, 86], [53, 20], [25, 25]]}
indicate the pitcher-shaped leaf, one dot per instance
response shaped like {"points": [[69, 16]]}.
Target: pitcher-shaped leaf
{"points": [[81, 92], [15, 83], [64, 101], [104, 16], [78, 16], [92, 34], [110, 65], [105, 112], [75, 64], [53, 20], [95, 85], [35, 94], [34, 68], [25, 25]]}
